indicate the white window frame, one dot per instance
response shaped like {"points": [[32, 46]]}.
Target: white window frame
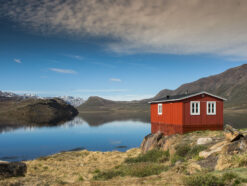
{"points": [[194, 113], [211, 103], [160, 111]]}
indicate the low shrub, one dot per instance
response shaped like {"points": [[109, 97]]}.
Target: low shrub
{"points": [[228, 178], [150, 156], [185, 151], [182, 149], [203, 179], [106, 175], [80, 178], [140, 169], [176, 158]]}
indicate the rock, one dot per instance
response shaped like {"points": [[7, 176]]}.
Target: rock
{"points": [[171, 142], [214, 149], [12, 169], [236, 147], [152, 141], [209, 163], [223, 162], [203, 141], [232, 134]]}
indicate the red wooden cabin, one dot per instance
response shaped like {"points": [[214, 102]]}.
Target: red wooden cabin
{"points": [[187, 112]]}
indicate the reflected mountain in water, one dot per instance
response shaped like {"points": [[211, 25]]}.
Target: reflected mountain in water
{"points": [[97, 119], [237, 120], [92, 119]]}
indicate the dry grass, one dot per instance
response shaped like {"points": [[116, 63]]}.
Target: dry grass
{"points": [[78, 168]]}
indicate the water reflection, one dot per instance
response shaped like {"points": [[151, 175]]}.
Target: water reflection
{"points": [[237, 120], [101, 118], [28, 142], [180, 129]]}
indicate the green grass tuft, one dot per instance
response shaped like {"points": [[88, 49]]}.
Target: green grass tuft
{"points": [[141, 169], [203, 179], [150, 156]]}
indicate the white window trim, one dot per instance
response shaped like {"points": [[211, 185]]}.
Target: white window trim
{"points": [[160, 113], [212, 102], [198, 108]]}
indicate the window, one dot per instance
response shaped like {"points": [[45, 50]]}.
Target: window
{"points": [[195, 108], [211, 107], [160, 109]]}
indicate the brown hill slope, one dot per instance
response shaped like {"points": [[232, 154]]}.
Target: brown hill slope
{"points": [[231, 84], [35, 111], [98, 104]]}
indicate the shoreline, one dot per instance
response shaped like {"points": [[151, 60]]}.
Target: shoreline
{"points": [[85, 167]]}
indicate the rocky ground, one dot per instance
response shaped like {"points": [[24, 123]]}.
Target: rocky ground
{"points": [[197, 158]]}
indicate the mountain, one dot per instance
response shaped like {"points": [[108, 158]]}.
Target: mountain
{"points": [[95, 104], [35, 111], [10, 95], [231, 84], [74, 101]]}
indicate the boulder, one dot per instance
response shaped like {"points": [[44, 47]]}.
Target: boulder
{"points": [[203, 141], [236, 147], [212, 150], [209, 163], [152, 141], [12, 169], [232, 134]]}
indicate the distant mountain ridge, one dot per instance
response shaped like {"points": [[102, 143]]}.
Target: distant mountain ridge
{"points": [[230, 84], [74, 101]]}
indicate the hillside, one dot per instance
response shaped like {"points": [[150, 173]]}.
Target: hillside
{"points": [[14, 111], [98, 104], [231, 84]]}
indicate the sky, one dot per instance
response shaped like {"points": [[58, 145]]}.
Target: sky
{"points": [[117, 49]]}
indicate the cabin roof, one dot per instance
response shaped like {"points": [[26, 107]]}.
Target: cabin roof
{"points": [[183, 96]]}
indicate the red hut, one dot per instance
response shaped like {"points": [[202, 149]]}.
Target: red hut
{"points": [[187, 112]]}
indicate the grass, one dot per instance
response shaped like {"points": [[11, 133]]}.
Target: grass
{"points": [[228, 178], [140, 166], [142, 169], [185, 152], [150, 156], [203, 179], [240, 160], [80, 178]]}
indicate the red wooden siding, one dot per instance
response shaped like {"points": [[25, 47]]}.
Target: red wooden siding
{"points": [[176, 117], [203, 118], [172, 113]]}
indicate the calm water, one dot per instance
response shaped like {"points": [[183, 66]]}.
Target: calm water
{"points": [[32, 142], [97, 133]]}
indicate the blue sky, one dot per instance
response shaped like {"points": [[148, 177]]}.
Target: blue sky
{"points": [[57, 58]]}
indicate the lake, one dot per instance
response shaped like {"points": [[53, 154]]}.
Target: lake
{"points": [[95, 133], [27, 143]]}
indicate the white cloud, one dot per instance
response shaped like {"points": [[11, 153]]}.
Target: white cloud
{"points": [[160, 26], [115, 80], [78, 57], [17, 60], [63, 71]]}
